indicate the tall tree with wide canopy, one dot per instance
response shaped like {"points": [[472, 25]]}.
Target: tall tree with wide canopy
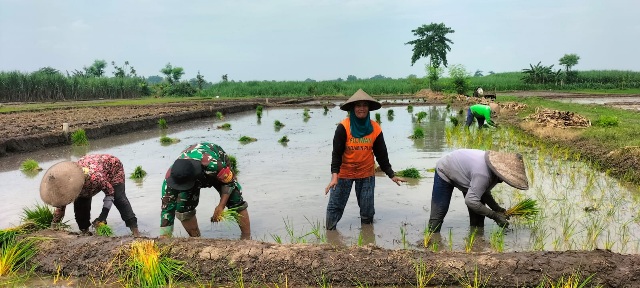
{"points": [[569, 60], [432, 43]]}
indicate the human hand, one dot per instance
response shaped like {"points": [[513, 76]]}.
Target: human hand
{"points": [[398, 180], [500, 218], [98, 221], [331, 186], [217, 213]]}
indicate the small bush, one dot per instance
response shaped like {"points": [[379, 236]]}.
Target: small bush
{"points": [[607, 121], [79, 138], [284, 139], [138, 173], [30, 165], [162, 124], [247, 139]]}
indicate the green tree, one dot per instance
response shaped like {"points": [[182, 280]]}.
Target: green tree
{"points": [[460, 78], [172, 74], [432, 43], [200, 80], [352, 78], [569, 60], [225, 78], [433, 74], [124, 70], [478, 73], [96, 69]]}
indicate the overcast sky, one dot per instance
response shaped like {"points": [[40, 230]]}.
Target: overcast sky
{"points": [[321, 39]]}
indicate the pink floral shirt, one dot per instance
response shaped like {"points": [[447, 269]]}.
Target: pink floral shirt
{"points": [[104, 171]]}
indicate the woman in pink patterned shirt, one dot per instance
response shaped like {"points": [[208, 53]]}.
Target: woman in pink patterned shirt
{"points": [[79, 181]]}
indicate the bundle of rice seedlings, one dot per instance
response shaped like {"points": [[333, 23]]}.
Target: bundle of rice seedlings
{"points": [[138, 173], [162, 123], [104, 230], [229, 215], [30, 165], [16, 255], [79, 138], [40, 215], [527, 208], [409, 173], [8, 236], [225, 126], [149, 266]]}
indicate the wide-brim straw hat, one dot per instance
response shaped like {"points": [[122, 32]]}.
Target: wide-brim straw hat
{"points": [[509, 167], [360, 95], [495, 108], [61, 184]]}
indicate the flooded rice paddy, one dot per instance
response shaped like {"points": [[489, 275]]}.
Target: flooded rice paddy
{"points": [[284, 184]]}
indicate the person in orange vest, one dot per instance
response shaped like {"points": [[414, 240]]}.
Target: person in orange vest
{"points": [[356, 141]]}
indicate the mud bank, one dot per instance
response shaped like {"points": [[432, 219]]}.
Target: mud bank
{"points": [[305, 264]]}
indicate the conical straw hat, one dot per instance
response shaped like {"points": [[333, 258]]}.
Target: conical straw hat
{"points": [[495, 108], [509, 167], [61, 184], [359, 96]]}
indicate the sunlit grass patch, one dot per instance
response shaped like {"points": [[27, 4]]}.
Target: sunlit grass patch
{"points": [[30, 165], [79, 138], [147, 265]]}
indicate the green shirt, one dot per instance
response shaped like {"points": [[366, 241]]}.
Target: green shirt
{"points": [[484, 111]]}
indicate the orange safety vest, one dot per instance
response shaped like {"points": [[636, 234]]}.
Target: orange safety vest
{"points": [[357, 160]]}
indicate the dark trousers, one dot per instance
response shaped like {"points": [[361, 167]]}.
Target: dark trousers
{"points": [[82, 209], [340, 195], [470, 119], [440, 201]]}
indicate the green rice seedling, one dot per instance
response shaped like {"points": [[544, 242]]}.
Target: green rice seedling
{"points": [[572, 281], [497, 240], [284, 140], [435, 247], [360, 239], [225, 126], [410, 108], [409, 173], [403, 237], [323, 281], [450, 240], [418, 133], [15, 255], [278, 125], [276, 238], [326, 109], [305, 113], [138, 173], [453, 120], [40, 215], [164, 140], [477, 281], [234, 164], [79, 138], [420, 116], [229, 215], [390, 113], [259, 111], [30, 165], [162, 123], [316, 230], [104, 230], [527, 209], [427, 235], [219, 115], [460, 112], [8, 236], [423, 277], [238, 279], [468, 245], [147, 265], [247, 139], [431, 170], [378, 118], [359, 284]]}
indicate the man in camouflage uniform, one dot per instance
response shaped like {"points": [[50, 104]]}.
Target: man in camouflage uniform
{"points": [[201, 165]]}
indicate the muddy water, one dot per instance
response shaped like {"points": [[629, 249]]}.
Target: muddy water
{"points": [[284, 184]]}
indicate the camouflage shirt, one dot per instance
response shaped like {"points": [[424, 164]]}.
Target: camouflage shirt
{"points": [[213, 159]]}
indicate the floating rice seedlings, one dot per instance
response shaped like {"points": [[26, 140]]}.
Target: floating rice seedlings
{"points": [[138, 173], [162, 123], [79, 138], [30, 165], [278, 125], [219, 115], [527, 209], [305, 113], [15, 255], [259, 111], [497, 240], [420, 116], [40, 215], [468, 245], [104, 230], [326, 109], [410, 108], [539, 237], [247, 139], [418, 133], [147, 265], [164, 140], [390, 113], [423, 277], [284, 140], [409, 173], [225, 126]]}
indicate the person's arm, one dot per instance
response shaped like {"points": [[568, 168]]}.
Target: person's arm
{"points": [[487, 116], [382, 156], [488, 199], [339, 145], [479, 185], [224, 198], [107, 202]]}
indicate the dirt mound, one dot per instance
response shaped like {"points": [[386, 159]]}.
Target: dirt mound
{"points": [[430, 95], [559, 119], [304, 265], [513, 106]]}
